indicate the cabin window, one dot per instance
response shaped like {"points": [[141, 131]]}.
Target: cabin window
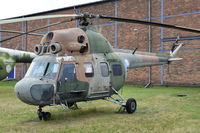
{"points": [[104, 69], [117, 70], [68, 73], [89, 71]]}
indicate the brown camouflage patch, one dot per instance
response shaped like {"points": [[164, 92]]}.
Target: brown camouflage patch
{"points": [[71, 40], [80, 68]]}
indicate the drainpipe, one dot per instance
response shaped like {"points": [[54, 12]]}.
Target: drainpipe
{"points": [[161, 42], [77, 11], [48, 22], [116, 25], [0, 34], [149, 40], [24, 43]]}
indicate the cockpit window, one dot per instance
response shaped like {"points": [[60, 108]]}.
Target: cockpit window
{"points": [[51, 70], [43, 69]]}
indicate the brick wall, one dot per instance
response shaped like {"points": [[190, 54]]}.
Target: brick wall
{"points": [[130, 36]]}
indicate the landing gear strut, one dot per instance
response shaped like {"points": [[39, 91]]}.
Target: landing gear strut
{"points": [[43, 115], [130, 105]]}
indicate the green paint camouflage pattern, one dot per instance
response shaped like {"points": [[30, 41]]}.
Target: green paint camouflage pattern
{"points": [[98, 43], [7, 64], [8, 58], [116, 81], [73, 91]]}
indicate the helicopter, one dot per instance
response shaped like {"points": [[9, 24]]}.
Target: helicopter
{"points": [[79, 64]]}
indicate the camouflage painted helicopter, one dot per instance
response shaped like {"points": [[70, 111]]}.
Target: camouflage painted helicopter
{"points": [[78, 64]]}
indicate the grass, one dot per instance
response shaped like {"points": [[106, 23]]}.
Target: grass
{"points": [[159, 111]]}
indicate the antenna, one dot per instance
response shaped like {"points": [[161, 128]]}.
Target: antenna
{"points": [[135, 50]]}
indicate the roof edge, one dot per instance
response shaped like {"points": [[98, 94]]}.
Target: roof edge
{"points": [[65, 8]]}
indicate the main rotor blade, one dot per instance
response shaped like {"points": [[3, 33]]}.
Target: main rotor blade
{"points": [[6, 21], [149, 23], [43, 27], [19, 32]]}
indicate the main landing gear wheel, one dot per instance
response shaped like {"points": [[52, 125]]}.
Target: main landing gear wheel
{"points": [[43, 115], [131, 105]]}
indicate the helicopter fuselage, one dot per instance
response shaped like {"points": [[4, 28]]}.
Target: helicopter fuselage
{"points": [[68, 79]]}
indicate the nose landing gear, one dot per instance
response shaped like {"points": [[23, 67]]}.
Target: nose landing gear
{"points": [[43, 115]]}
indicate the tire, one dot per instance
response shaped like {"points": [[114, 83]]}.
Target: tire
{"points": [[40, 115], [131, 105], [46, 116], [70, 104]]}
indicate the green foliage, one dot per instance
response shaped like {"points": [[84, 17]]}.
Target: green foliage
{"points": [[159, 111]]}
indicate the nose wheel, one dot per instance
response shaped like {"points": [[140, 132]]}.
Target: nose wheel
{"points": [[45, 116]]}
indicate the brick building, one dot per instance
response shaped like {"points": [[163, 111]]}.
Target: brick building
{"points": [[129, 36]]}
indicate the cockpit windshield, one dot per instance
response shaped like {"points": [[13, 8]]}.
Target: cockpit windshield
{"points": [[43, 69]]}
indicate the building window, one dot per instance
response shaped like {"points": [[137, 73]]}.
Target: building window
{"points": [[89, 71], [117, 70], [104, 69]]}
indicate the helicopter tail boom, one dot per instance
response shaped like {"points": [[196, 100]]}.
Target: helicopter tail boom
{"points": [[141, 59], [136, 59]]}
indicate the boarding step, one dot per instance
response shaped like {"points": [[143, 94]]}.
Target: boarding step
{"points": [[99, 94]]}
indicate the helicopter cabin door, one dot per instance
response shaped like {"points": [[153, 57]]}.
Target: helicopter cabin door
{"points": [[100, 85], [69, 88]]}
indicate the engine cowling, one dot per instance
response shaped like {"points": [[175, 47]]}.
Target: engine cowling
{"points": [[68, 41]]}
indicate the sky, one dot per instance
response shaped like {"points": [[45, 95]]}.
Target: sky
{"points": [[14, 8]]}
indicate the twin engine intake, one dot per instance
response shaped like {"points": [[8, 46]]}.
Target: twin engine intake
{"points": [[52, 48]]}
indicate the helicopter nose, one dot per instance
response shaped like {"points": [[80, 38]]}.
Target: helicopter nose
{"points": [[34, 92]]}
